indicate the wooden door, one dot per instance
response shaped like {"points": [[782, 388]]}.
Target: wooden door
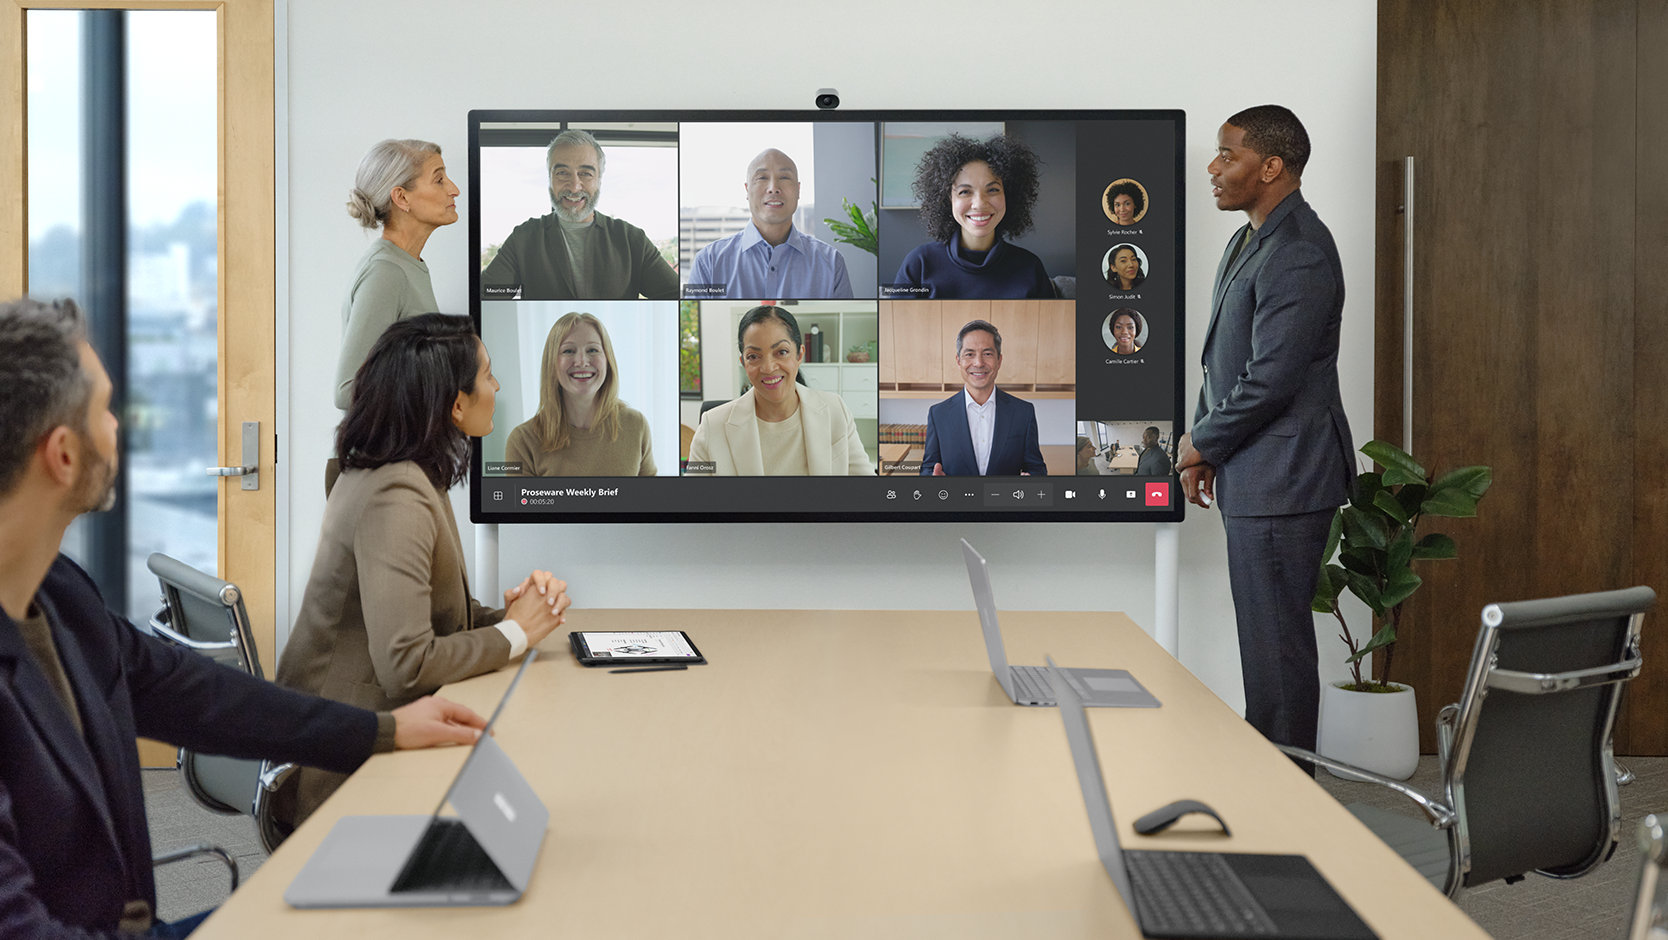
{"points": [[1538, 334], [246, 376]]}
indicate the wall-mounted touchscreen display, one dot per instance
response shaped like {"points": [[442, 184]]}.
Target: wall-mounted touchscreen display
{"points": [[865, 316]]}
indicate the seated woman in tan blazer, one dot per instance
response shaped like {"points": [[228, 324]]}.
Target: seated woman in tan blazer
{"points": [[582, 429], [387, 617], [780, 427]]}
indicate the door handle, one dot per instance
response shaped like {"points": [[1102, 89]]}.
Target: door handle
{"points": [[251, 469]]}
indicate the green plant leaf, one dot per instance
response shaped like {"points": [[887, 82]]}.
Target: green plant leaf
{"points": [[861, 230], [1328, 586], [1398, 466], [1365, 588], [1385, 636], [1434, 546], [1474, 480], [1367, 486], [1363, 527], [1455, 494], [1367, 561], [1399, 585], [1387, 503], [1400, 552], [1411, 496], [1332, 536]]}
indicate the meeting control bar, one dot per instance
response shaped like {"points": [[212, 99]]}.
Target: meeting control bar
{"points": [[514, 496]]}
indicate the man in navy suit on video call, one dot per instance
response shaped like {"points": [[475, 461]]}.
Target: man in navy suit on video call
{"points": [[1269, 436], [981, 430]]}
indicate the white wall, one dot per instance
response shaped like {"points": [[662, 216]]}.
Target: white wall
{"points": [[358, 72]]}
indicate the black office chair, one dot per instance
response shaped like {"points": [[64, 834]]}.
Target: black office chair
{"points": [[206, 615], [1650, 907], [1528, 777], [202, 850], [707, 406]]}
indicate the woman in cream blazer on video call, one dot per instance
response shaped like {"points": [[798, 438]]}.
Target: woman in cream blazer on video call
{"points": [[779, 427]]}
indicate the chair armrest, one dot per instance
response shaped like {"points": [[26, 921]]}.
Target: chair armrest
{"points": [[272, 776], [161, 626], [1441, 816], [1446, 720], [192, 851], [1541, 683]]}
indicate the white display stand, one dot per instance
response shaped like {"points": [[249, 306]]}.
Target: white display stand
{"points": [[1166, 584], [486, 563]]}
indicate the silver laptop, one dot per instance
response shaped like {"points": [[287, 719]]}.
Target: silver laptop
{"points": [[1205, 895], [484, 855], [1026, 685]]}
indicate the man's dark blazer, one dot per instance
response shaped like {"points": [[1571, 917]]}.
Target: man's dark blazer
{"points": [[1270, 418], [73, 840], [1154, 462], [1013, 444]]}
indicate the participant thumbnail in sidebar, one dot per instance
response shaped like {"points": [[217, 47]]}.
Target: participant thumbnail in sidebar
{"points": [[1124, 202], [1124, 266], [584, 393], [1124, 331]]}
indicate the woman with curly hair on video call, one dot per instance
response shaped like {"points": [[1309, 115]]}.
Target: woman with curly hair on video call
{"points": [[976, 195]]}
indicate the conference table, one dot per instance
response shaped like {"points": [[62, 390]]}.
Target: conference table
{"points": [[839, 774]]}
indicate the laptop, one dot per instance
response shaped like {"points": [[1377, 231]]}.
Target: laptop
{"points": [[1026, 685], [1203, 895], [482, 856]]}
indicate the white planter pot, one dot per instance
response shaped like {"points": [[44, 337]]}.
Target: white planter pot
{"points": [[1377, 731]]}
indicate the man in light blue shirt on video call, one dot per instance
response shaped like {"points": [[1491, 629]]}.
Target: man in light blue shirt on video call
{"points": [[770, 259]]}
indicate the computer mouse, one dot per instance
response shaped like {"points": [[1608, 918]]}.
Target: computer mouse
{"points": [[1165, 816]]}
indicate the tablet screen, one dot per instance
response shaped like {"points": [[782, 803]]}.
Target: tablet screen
{"points": [[637, 646]]}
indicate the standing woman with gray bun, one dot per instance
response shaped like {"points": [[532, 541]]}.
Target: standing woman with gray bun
{"points": [[401, 187]]}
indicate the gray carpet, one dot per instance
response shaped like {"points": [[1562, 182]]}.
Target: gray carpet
{"points": [[176, 820], [1596, 906]]}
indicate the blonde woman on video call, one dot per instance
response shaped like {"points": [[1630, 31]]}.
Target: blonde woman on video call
{"points": [[581, 429]]}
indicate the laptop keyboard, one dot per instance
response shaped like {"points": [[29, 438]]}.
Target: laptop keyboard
{"points": [[1030, 685], [448, 858], [1193, 894]]}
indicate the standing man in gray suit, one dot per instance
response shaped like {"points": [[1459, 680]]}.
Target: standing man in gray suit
{"points": [[1269, 435]]}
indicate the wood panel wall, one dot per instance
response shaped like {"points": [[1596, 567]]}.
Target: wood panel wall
{"points": [[1538, 309]]}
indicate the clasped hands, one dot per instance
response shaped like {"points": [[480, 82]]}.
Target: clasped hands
{"points": [[537, 604], [1198, 478]]}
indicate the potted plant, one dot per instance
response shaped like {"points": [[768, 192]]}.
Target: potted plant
{"points": [[1371, 552], [859, 227]]}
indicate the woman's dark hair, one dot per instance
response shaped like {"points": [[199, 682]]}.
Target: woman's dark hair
{"points": [[403, 397], [1111, 268], [1130, 189], [762, 313], [1014, 163]]}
